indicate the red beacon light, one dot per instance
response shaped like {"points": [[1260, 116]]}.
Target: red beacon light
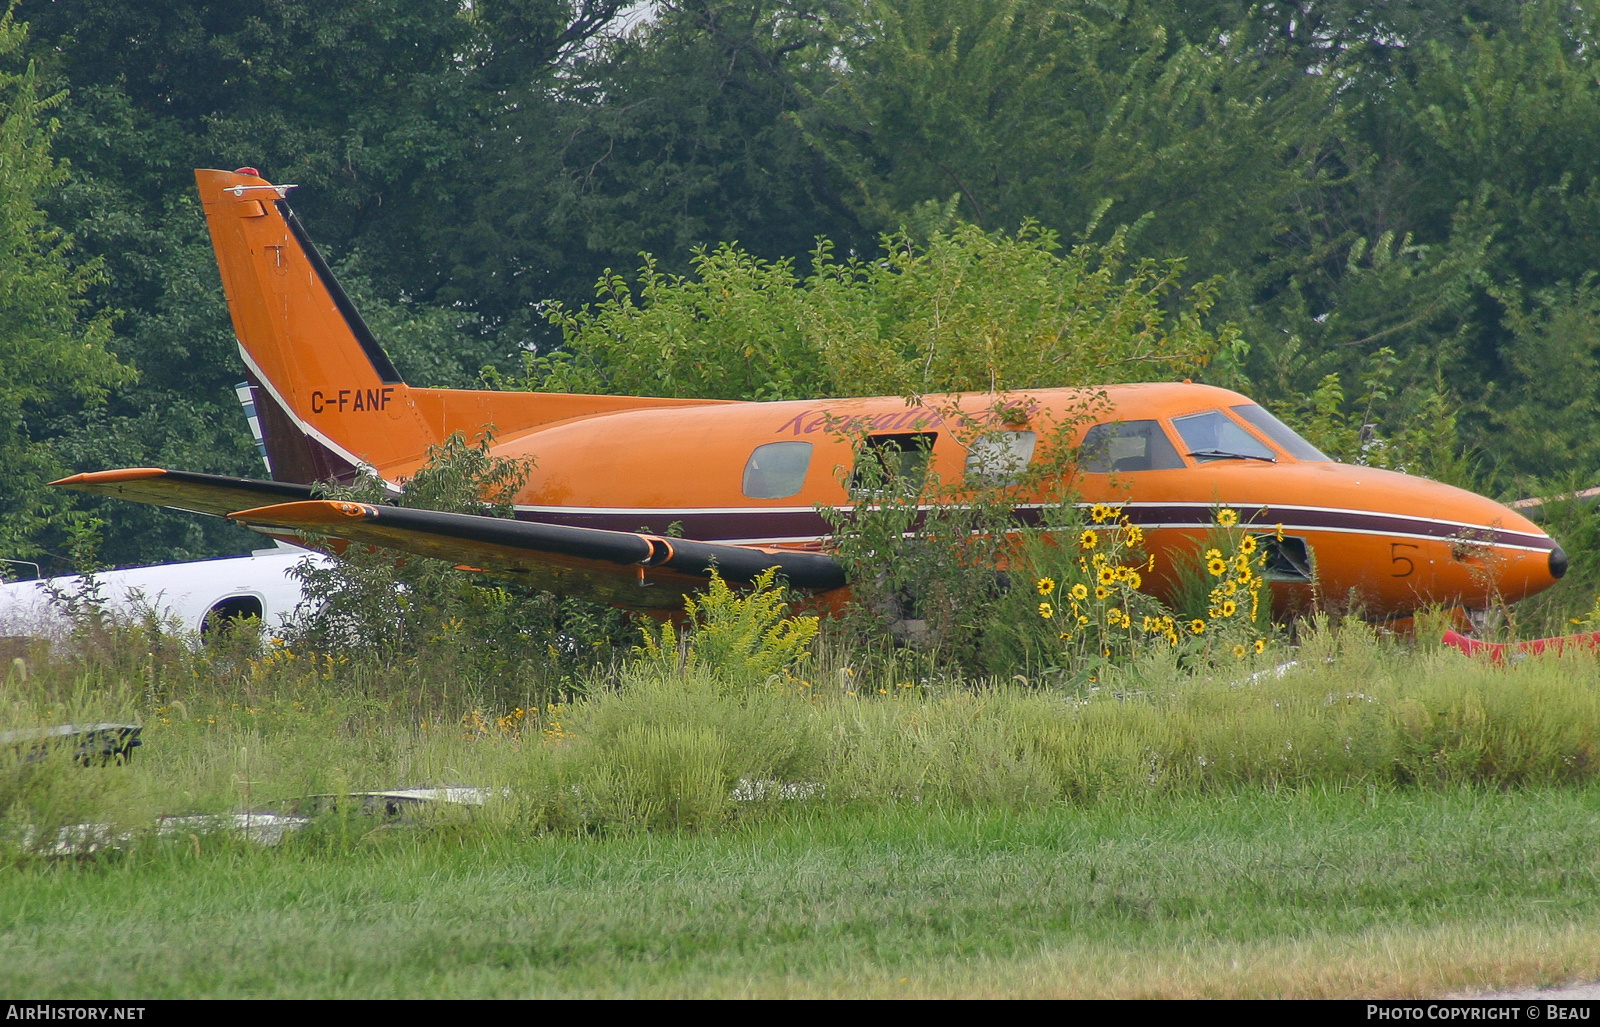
{"points": [[247, 171]]}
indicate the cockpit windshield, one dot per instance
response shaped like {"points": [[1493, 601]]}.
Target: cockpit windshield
{"points": [[1280, 433], [1214, 436]]}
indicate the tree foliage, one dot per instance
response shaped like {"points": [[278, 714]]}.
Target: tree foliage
{"points": [[964, 310], [52, 345]]}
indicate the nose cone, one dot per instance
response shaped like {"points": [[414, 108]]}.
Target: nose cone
{"points": [[1509, 552], [1398, 542]]}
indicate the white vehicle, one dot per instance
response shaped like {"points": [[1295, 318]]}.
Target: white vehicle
{"points": [[199, 595]]}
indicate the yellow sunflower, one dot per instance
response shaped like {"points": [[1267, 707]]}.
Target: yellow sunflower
{"points": [[1229, 608], [1135, 535], [1108, 575], [1083, 621], [1045, 585], [1227, 518], [1102, 513], [1197, 626], [1100, 592], [1261, 645], [1046, 611], [1080, 591], [1217, 566], [1248, 545], [1134, 581], [1238, 652], [1088, 540]]}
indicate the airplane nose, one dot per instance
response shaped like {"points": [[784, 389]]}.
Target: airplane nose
{"points": [[1558, 562]]}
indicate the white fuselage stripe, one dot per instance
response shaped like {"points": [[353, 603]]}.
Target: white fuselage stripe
{"points": [[340, 451]]}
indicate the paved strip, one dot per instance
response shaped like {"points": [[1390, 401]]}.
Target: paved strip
{"points": [[1580, 991]]}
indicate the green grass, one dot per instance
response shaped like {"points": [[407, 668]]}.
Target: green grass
{"points": [[1352, 891], [664, 751], [1381, 820]]}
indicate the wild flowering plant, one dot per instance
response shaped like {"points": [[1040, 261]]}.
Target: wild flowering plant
{"points": [[1077, 602], [1237, 604], [738, 639], [1079, 605]]}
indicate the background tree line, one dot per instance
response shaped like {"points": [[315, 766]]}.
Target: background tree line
{"points": [[1380, 219]]}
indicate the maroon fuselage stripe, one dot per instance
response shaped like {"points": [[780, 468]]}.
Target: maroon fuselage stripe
{"points": [[803, 524], [1337, 520]]}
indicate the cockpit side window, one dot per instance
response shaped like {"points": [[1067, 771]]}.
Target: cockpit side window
{"points": [[1127, 446], [1280, 433], [1214, 436], [777, 470], [1000, 458]]}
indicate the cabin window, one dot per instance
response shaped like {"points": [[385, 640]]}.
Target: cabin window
{"points": [[897, 463], [999, 458], [1127, 446], [1280, 433], [1214, 436], [777, 470], [227, 614]]}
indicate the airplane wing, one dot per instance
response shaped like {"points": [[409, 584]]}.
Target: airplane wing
{"points": [[623, 568], [214, 494], [1533, 507]]}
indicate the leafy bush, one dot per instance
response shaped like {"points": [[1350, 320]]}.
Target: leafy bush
{"points": [[412, 611], [957, 309], [737, 640]]}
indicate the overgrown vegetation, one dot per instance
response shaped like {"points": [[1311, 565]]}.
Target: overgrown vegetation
{"points": [[428, 620], [675, 742], [957, 310]]}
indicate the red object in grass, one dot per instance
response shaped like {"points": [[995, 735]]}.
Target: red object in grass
{"points": [[247, 171], [1499, 651]]}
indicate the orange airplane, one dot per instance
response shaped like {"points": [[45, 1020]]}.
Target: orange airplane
{"points": [[610, 474]]}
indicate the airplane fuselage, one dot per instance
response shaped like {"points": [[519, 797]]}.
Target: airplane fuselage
{"points": [[1387, 541]]}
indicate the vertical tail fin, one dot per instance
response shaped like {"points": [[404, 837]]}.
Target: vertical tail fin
{"points": [[329, 400]]}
